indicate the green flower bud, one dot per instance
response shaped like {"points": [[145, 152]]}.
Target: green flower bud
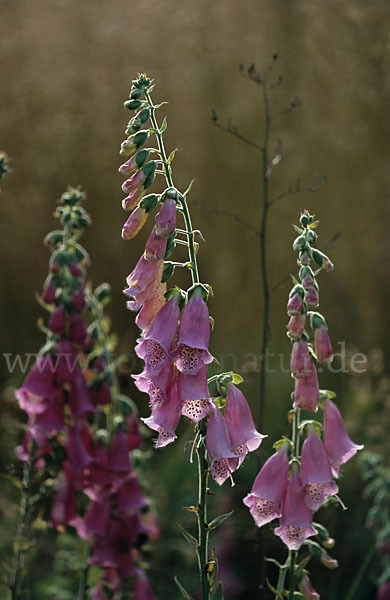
{"points": [[132, 104], [311, 236], [299, 243], [143, 115], [141, 157], [135, 94]]}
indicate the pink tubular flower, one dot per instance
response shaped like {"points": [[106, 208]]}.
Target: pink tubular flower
{"points": [[243, 435], [77, 329], [307, 590], [312, 297], [323, 347], [78, 299], [294, 305], [155, 246], [134, 223], [193, 337], [296, 520], [57, 321], [223, 461], [132, 199], [155, 385], [164, 418], [316, 473], [118, 455], [338, 445], [63, 507], [151, 307], [194, 395], [300, 363], [268, 489], [166, 220], [134, 182], [142, 276], [49, 292], [142, 589], [384, 591], [306, 393], [80, 400], [296, 326], [38, 387], [154, 346]]}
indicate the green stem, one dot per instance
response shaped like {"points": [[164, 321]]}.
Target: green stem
{"points": [[263, 257], [203, 531], [281, 580], [292, 556], [83, 584], [17, 572]]}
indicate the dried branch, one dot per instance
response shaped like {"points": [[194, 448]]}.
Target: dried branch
{"points": [[225, 213], [234, 131], [314, 187]]}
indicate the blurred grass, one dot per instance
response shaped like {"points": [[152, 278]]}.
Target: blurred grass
{"points": [[66, 68]]}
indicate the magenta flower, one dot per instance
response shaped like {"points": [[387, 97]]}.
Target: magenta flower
{"points": [[142, 589], [118, 455], [155, 246], [57, 321], [97, 516], [156, 342], [166, 220], [306, 393], [323, 347], [151, 307], [134, 182], [316, 473], [80, 400], [155, 385], [134, 223], [338, 445], [66, 365], [312, 297], [269, 488], [63, 506], [38, 387], [76, 450], [77, 329], [134, 439], [193, 337], [223, 461], [296, 326], [307, 590], [243, 435], [294, 305], [164, 418], [142, 276], [296, 520], [384, 591], [129, 496], [49, 292], [78, 299], [132, 199], [300, 363], [194, 395]]}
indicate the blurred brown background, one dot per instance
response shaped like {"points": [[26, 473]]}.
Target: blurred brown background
{"points": [[66, 67]]}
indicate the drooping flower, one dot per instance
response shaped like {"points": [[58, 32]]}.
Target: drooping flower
{"points": [[156, 342], [77, 329], [312, 297], [294, 304], [338, 445], [296, 326], [243, 435], [269, 488], [136, 220], [193, 337], [296, 520], [223, 461], [165, 417], [166, 220], [38, 387], [151, 307], [80, 400], [57, 321], [194, 395], [49, 292], [155, 385], [142, 297], [155, 246], [300, 363], [316, 473], [307, 590], [306, 393], [63, 506], [142, 276], [323, 347], [142, 590]]}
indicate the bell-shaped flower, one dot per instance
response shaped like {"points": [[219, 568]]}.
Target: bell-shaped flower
{"points": [[57, 321], [38, 387], [323, 347], [194, 395], [338, 445], [80, 400], [269, 488], [142, 276], [155, 246], [118, 455], [63, 506], [78, 299], [132, 199], [312, 297], [166, 219], [316, 473], [193, 337], [155, 385], [151, 307], [300, 363], [141, 297], [49, 292], [243, 435], [77, 329], [66, 366], [97, 517], [165, 418], [306, 393], [294, 305], [296, 520], [135, 222], [129, 496], [156, 342], [307, 590], [296, 326], [134, 438], [77, 452], [223, 461]]}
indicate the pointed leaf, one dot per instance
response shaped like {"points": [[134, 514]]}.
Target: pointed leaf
{"points": [[273, 590], [171, 156], [298, 229], [190, 538], [217, 593], [219, 520], [163, 125], [183, 591], [194, 509]]}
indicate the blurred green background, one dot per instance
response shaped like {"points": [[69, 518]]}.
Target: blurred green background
{"points": [[66, 67]]}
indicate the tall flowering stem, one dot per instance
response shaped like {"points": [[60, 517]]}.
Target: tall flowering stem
{"points": [[300, 477], [175, 327]]}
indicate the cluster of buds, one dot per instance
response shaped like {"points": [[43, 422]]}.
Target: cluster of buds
{"points": [[292, 488], [68, 393], [175, 325]]}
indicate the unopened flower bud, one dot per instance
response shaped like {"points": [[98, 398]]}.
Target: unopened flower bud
{"points": [[57, 322], [155, 246], [77, 329], [134, 223], [149, 203], [134, 162], [294, 304], [307, 590], [312, 297], [328, 561], [135, 94], [299, 243], [132, 199], [166, 220], [132, 104], [323, 347], [79, 299], [49, 292], [75, 269], [296, 326]]}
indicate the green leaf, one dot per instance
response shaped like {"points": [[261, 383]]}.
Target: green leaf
{"points": [[168, 271], [298, 229], [183, 591], [273, 590], [163, 125], [190, 538], [189, 188], [171, 156], [217, 593], [294, 279], [277, 563], [219, 520]]}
